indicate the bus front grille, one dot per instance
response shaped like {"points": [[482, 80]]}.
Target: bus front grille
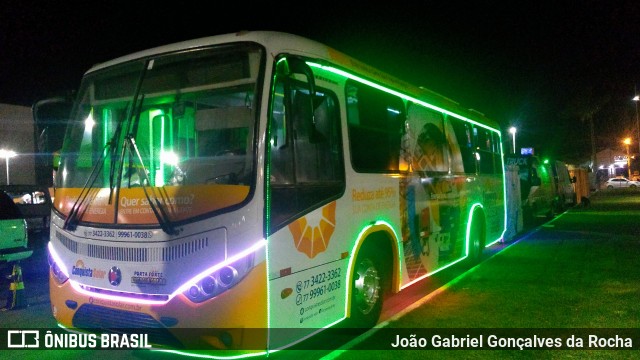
{"points": [[137, 296], [172, 251], [95, 318]]}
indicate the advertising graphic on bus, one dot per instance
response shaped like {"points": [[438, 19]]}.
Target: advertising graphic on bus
{"points": [[251, 182]]}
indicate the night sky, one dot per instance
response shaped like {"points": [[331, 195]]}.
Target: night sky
{"points": [[544, 68]]}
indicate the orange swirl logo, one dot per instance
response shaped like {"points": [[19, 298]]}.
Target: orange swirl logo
{"points": [[310, 234]]}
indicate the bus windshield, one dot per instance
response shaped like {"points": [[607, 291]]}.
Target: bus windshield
{"points": [[175, 131]]}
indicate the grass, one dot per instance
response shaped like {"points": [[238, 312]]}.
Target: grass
{"points": [[580, 271]]}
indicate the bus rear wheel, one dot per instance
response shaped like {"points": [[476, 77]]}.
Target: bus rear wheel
{"points": [[476, 241], [366, 300]]}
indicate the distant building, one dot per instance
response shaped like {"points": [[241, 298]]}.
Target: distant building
{"points": [[17, 135], [614, 162]]}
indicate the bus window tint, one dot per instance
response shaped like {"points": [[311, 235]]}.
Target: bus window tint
{"points": [[497, 157], [484, 147], [315, 139], [464, 132], [375, 121]]}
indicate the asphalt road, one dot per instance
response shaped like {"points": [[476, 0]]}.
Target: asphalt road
{"points": [[35, 276], [535, 254]]}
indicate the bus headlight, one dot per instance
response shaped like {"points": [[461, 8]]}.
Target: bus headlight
{"points": [[209, 285], [58, 274], [220, 280]]}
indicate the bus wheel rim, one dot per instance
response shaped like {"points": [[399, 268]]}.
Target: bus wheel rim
{"points": [[367, 286]]}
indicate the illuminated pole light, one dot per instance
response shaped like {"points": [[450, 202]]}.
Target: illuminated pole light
{"points": [[627, 142], [636, 99], [7, 154], [513, 130]]}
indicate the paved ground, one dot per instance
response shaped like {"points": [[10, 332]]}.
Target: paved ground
{"points": [[35, 272]]}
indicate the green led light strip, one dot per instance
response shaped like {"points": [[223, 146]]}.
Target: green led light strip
{"points": [[401, 95]]}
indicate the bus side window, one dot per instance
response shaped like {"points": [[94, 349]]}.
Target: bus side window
{"points": [[318, 157], [281, 157], [429, 147], [374, 118], [306, 166], [484, 149], [465, 136], [497, 157]]}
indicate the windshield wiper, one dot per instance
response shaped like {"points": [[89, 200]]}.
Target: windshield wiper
{"points": [[112, 153], [156, 205], [71, 222]]}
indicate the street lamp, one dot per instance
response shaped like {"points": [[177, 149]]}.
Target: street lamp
{"points": [[513, 130], [627, 142], [7, 154], [636, 99]]}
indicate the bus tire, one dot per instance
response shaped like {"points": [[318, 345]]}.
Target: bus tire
{"points": [[367, 290], [476, 239]]}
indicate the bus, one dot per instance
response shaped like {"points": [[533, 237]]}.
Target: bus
{"points": [[240, 193]]}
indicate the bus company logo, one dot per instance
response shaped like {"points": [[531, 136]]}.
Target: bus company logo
{"points": [[115, 276], [79, 269], [311, 233]]}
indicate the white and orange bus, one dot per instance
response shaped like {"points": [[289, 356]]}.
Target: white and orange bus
{"points": [[257, 181]]}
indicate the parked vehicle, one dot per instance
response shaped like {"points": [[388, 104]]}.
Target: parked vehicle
{"points": [[13, 231], [565, 193], [34, 202], [536, 187], [621, 182]]}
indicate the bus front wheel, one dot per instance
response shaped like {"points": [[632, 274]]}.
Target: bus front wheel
{"points": [[366, 301]]}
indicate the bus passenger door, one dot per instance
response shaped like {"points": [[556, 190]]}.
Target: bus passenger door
{"points": [[305, 178]]}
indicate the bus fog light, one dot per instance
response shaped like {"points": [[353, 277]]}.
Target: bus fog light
{"points": [[227, 275], [221, 279], [194, 291]]}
